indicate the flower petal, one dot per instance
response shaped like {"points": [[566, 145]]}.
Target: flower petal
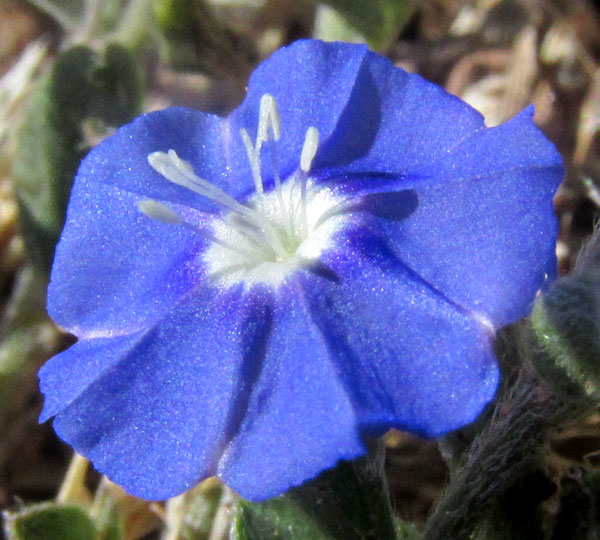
{"points": [[395, 122], [484, 233], [67, 375], [116, 269], [157, 419], [204, 140], [409, 358], [299, 420], [312, 82]]}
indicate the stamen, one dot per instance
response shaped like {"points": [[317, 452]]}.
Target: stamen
{"points": [[180, 172], [275, 119], [303, 213], [277, 178], [159, 211], [248, 230], [254, 160], [269, 234], [248, 255], [264, 117], [269, 118], [309, 148], [228, 271], [336, 210]]}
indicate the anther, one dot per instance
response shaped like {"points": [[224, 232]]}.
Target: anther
{"points": [[309, 148], [159, 211], [180, 172], [269, 129], [275, 120], [264, 116], [268, 117]]}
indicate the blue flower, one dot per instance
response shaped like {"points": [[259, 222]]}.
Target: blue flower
{"points": [[254, 295]]}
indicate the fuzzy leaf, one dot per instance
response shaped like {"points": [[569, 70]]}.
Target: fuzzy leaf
{"points": [[196, 39], [52, 143], [49, 522], [566, 321], [379, 21], [345, 503]]}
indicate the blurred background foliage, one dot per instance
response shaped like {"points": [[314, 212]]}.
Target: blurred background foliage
{"points": [[72, 71]]}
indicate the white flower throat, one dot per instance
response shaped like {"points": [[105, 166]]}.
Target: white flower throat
{"points": [[272, 233]]}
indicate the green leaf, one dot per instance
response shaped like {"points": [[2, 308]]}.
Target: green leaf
{"points": [[331, 25], [50, 522], [279, 518], [194, 39], [349, 502], [118, 87], [80, 86], [380, 21], [200, 506], [48, 152], [193, 515], [566, 321]]}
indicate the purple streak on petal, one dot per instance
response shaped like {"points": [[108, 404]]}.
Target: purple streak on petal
{"points": [[449, 236], [485, 234], [409, 358], [312, 82], [299, 420], [155, 421]]}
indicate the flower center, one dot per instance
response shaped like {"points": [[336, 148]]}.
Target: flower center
{"points": [[272, 233]]}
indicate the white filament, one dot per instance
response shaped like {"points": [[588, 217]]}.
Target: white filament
{"points": [[180, 172], [254, 159], [303, 249], [265, 239], [161, 212]]}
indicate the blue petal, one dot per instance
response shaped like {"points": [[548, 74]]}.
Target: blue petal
{"points": [[158, 418], [409, 358], [484, 233], [312, 82], [202, 139], [394, 122], [67, 375], [299, 419], [116, 269]]}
